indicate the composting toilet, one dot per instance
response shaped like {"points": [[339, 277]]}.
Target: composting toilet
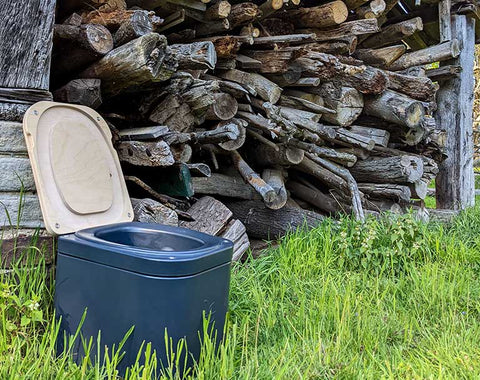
{"points": [[160, 279]]}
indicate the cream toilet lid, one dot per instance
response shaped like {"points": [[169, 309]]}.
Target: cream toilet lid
{"points": [[77, 173]]}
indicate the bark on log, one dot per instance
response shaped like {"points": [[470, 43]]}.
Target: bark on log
{"points": [[321, 16], [138, 153], [365, 79], [373, 9], [266, 89], [224, 186], [398, 193], [78, 46], [436, 53], [315, 197], [137, 25], [174, 113], [396, 108], [345, 101], [276, 179], [221, 9], [126, 68], [419, 88], [396, 169], [380, 136], [264, 223], [394, 33], [80, 91], [150, 211], [347, 29], [380, 57], [195, 56]]}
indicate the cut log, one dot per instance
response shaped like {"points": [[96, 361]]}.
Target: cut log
{"points": [[224, 186], [380, 57], [345, 159], [80, 91], [137, 25], [239, 139], [126, 68], [396, 108], [143, 133], [150, 211], [243, 13], [398, 193], [315, 197], [283, 155], [156, 154], [444, 73], [224, 107], [266, 89], [351, 28], [396, 169], [195, 56], [219, 10], [394, 33], [272, 61], [78, 46], [436, 53], [345, 101], [264, 223], [380, 136], [373, 9], [324, 175], [276, 179], [321, 16], [348, 138], [365, 79], [419, 88], [267, 193]]}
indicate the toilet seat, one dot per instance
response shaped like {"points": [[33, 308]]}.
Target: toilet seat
{"points": [[76, 169]]}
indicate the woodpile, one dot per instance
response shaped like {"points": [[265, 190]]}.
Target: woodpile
{"points": [[273, 113]]}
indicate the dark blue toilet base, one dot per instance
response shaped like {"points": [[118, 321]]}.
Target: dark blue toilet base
{"points": [[117, 299]]}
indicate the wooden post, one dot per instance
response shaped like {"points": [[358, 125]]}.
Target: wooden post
{"points": [[26, 29], [455, 185]]}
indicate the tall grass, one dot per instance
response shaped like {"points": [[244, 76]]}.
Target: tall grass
{"points": [[391, 298]]}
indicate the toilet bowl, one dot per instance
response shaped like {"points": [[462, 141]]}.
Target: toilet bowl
{"points": [[162, 280]]}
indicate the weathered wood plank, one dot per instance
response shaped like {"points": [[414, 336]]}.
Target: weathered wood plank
{"points": [[455, 181]]}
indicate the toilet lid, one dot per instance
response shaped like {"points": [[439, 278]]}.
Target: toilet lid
{"points": [[77, 173]]}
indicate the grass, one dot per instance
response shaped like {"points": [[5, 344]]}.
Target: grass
{"points": [[388, 299]]}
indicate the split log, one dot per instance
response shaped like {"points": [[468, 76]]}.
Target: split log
{"points": [[266, 89], [80, 91], [394, 33], [210, 216], [173, 113], [264, 223], [380, 57], [276, 179], [137, 25], [195, 56], [126, 68], [150, 211], [348, 138], [437, 53], [398, 193], [365, 79], [225, 46], [322, 16], [138, 153], [236, 232], [444, 73], [143, 133], [224, 186], [272, 61], [396, 108], [78, 46], [347, 103], [396, 169]]}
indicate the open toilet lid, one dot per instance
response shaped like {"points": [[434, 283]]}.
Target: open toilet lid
{"points": [[77, 173]]}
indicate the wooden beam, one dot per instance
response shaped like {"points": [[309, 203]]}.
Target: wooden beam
{"points": [[455, 182]]}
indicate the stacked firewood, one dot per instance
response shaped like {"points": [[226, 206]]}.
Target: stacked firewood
{"points": [[283, 110]]}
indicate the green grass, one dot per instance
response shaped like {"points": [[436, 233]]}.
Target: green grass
{"points": [[387, 299]]}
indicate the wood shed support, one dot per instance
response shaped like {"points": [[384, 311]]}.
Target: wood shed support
{"points": [[455, 185], [26, 30]]}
